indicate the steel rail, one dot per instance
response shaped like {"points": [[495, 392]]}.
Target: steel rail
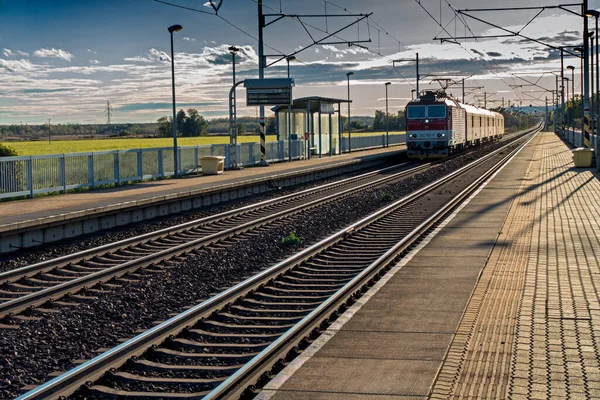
{"points": [[122, 244], [286, 341], [34, 299], [92, 369]]}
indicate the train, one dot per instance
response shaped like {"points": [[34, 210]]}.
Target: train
{"points": [[437, 125]]}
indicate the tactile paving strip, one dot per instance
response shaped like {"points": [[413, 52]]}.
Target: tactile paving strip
{"points": [[477, 364], [532, 327]]}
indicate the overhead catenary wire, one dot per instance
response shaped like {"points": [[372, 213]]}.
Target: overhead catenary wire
{"points": [[237, 28], [338, 37]]}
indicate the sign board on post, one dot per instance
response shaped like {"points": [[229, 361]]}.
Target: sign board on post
{"points": [[268, 92], [327, 108]]}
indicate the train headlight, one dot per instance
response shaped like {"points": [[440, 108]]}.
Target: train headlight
{"points": [[414, 136], [440, 135]]}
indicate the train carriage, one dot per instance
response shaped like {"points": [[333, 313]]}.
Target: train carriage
{"points": [[437, 124]]}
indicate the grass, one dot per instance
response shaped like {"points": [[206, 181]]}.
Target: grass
{"points": [[82, 146], [291, 240], [31, 148]]}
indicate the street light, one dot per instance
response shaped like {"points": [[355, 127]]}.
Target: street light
{"points": [[288, 59], [572, 69], [580, 50], [387, 128], [174, 28], [348, 75]]}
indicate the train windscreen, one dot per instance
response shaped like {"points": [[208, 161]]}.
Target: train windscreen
{"points": [[415, 112], [436, 111]]}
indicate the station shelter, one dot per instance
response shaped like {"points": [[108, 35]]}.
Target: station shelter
{"points": [[317, 120]]}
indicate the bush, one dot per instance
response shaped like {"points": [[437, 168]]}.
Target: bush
{"points": [[6, 151], [124, 133], [291, 240]]}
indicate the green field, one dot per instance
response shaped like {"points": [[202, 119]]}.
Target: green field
{"points": [[83, 146]]}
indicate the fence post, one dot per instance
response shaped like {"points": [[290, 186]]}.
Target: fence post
{"points": [[91, 177], [227, 156], [140, 167], [29, 166], [161, 172], [63, 173], [117, 172], [196, 158]]}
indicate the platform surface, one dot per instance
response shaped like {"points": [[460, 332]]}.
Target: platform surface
{"points": [[502, 302], [20, 211]]}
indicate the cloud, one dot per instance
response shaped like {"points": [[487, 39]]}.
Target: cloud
{"points": [[187, 39], [23, 53], [494, 54], [27, 91], [94, 62], [54, 53], [7, 53], [152, 56], [16, 65], [91, 51]]}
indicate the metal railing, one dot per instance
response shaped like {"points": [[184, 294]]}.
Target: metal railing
{"points": [[32, 175]]}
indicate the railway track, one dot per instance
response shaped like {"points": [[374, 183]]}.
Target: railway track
{"points": [[37, 284], [234, 342]]}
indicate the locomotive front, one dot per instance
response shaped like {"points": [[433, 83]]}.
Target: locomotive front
{"points": [[427, 127]]}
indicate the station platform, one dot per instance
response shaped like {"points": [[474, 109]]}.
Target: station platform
{"points": [[501, 301], [30, 222]]}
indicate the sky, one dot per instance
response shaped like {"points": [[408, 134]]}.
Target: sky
{"points": [[64, 59]]}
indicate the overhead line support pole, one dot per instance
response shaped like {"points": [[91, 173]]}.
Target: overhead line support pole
{"points": [[261, 75], [586, 79]]}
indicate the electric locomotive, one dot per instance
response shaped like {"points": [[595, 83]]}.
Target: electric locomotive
{"points": [[437, 124]]}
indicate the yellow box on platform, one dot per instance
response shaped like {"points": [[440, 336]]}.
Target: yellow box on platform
{"points": [[582, 157], [212, 165]]}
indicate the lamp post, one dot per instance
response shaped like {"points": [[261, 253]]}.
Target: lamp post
{"points": [[387, 126], [581, 51], [233, 116], [592, 109], [572, 69], [174, 28], [348, 75], [288, 59]]}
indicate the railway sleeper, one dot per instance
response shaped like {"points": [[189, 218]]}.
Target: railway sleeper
{"points": [[130, 381], [221, 327], [245, 311], [201, 335], [318, 285], [204, 371], [287, 299], [42, 282], [230, 318], [326, 272], [104, 392], [314, 293], [203, 342], [55, 275], [293, 279], [238, 350], [89, 266], [254, 303]]}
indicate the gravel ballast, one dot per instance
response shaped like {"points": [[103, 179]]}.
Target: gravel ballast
{"points": [[52, 343]]}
